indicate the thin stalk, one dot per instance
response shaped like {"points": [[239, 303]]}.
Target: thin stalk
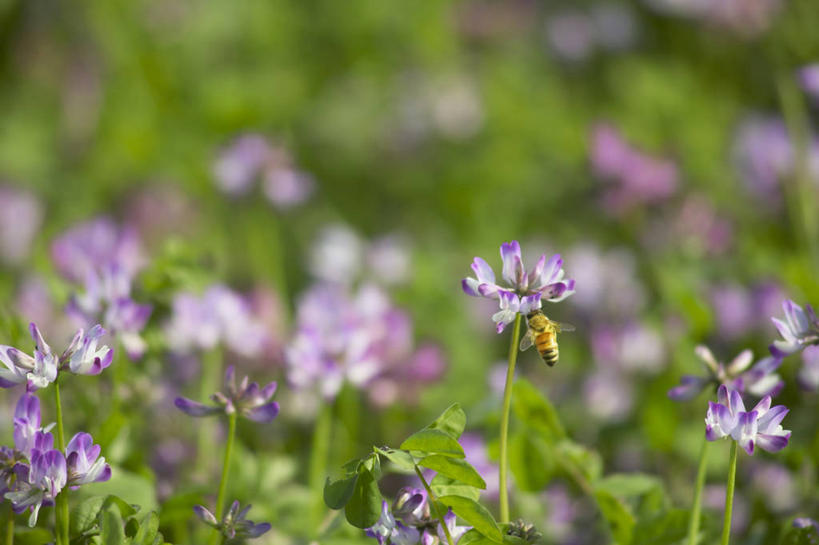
{"points": [[318, 457], [9, 534], [729, 495], [434, 503], [61, 501], [504, 425], [208, 384], [694, 522], [220, 499], [800, 190]]}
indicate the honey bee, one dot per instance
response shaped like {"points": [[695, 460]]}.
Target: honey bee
{"points": [[542, 333]]}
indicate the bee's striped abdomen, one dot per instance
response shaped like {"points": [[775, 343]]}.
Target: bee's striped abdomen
{"points": [[547, 346]]}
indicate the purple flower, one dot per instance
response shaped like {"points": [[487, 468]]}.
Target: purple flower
{"points": [[759, 379], [805, 522], [220, 315], [760, 426], [94, 245], [39, 483], [522, 292], [409, 522], [84, 462], [233, 524], [248, 400], [808, 376], [28, 434], [383, 529], [799, 329], [20, 217], [476, 455], [809, 79], [108, 298]]}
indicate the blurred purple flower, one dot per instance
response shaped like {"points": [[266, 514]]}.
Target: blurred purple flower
{"points": [[93, 246], [638, 178], [476, 455], [805, 522], [738, 310], [760, 426], [808, 376], [609, 279], [21, 215], [777, 486], [759, 380], [251, 158], [219, 316], [608, 395], [630, 347], [747, 17], [523, 291], [570, 35], [247, 400], [799, 329], [234, 524], [809, 79]]}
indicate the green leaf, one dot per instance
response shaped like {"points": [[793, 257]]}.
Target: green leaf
{"points": [[84, 515], [801, 536], [669, 527], [452, 421], [338, 493], [111, 530], [148, 530], [532, 408], [364, 506], [474, 537], [400, 458], [579, 459], [531, 462], [454, 468], [125, 509], [134, 489], [618, 516], [442, 485], [475, 514], [626, 485], [433, 442]]}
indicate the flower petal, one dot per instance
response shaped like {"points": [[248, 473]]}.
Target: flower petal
{"points": [[194, 408]]}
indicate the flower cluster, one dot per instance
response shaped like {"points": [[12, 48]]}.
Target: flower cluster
{"points": [[234, 524], [84, 356], [759, 380], [251, 157], [799, 329], [34, 472], [636, 178], [218, 316], [360, 339], [523, 292], [247, 399], [759, 426], [409, 522], [105, 259]]}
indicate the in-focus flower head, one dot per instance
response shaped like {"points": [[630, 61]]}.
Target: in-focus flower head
{"points": [[234, 524], [799, 329], [759, 426], [409, 522], [247, 400], [522, 291], [759, 380], [39, 483], [84, 463]]}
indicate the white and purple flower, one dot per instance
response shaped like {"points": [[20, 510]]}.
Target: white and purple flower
{"points": [[247, 399], [234, 524], [760, 426], [523, 292], [799, 329]]}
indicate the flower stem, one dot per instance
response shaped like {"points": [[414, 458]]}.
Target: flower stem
{"points": [[61, 501], [504, 425], [694, 521], [434, 503], [220, 499], [9, 525], [208, 384], [729, 494], [318, 457]]}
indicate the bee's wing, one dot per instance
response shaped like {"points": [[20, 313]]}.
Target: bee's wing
{"points": [[527, 341], [562, 326]]}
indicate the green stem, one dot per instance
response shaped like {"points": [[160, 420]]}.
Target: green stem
{"points": [[318, 458], [61, 501], [9, 525], [208, 384], [504, 425], [434, 503], [800, 189], [694, 521], [729, 495], [220, 499]]}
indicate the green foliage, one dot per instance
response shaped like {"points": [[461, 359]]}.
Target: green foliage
{"points": [[475, 514], [110, 520], [433, 441], [363, 506], [801, 536], [453, 468]]}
